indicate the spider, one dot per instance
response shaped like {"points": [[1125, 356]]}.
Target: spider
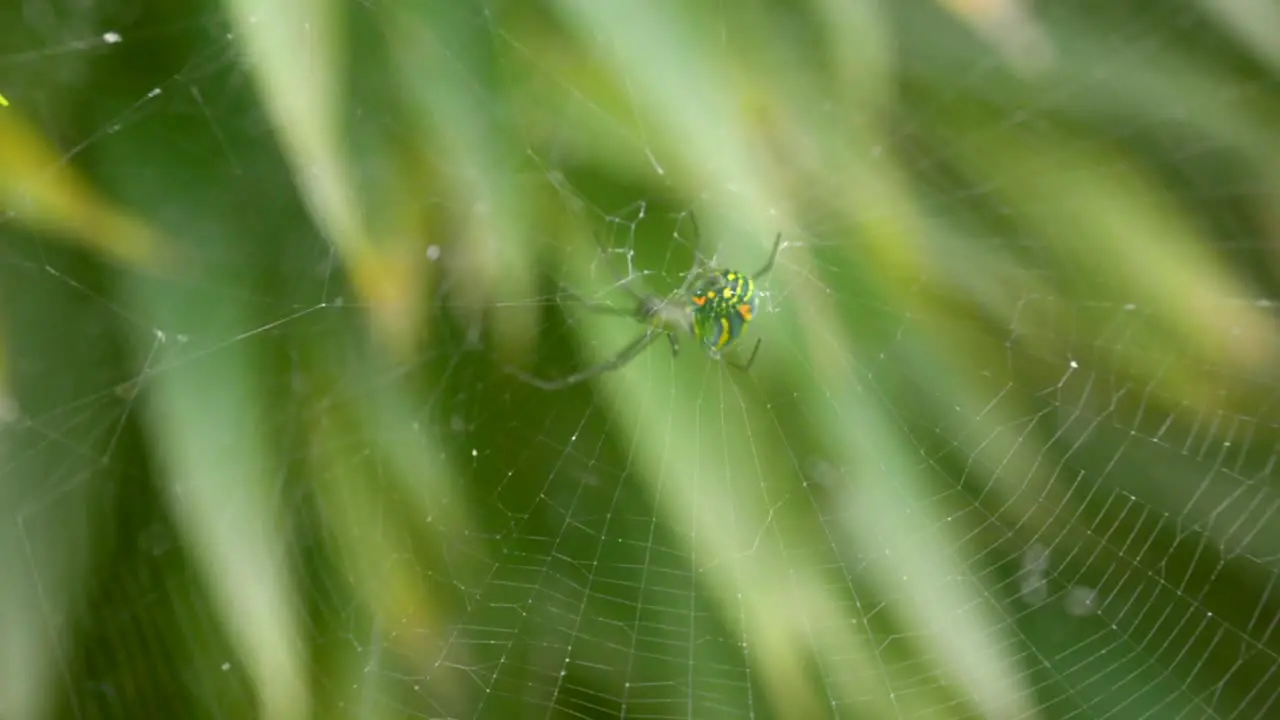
{"points": [[715, 312]]}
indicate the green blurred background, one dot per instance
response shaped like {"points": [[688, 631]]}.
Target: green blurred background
{"points": [[1008, 449]]}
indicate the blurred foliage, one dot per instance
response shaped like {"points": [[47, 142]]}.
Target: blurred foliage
{"points": [[1008, 450]]}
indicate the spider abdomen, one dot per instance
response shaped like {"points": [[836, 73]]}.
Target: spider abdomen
{"points": [[722, 308]]}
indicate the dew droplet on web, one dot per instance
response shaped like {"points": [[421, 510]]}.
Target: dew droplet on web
{"points": [[111, 37], [1081, 600], [433, 252]]}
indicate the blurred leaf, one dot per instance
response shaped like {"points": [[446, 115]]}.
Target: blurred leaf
{"points": [[1254, 22], [206, 417], [465, 109], [1011, 27], [58, 490], [40, 189]]}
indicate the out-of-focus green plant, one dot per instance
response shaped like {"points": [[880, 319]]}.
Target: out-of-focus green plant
{"points": [[263, 265]]}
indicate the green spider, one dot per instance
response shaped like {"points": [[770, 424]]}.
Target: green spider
{"points": [[716, 312]]}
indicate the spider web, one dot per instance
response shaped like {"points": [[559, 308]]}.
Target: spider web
{"points": [[1111, 596]]}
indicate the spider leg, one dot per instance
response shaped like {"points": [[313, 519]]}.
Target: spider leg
{"points": [[599, 307], [663, 310], [624, 356], [605, 309], [700, 266], [697, 232], [747, 366], [777, 247]]}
